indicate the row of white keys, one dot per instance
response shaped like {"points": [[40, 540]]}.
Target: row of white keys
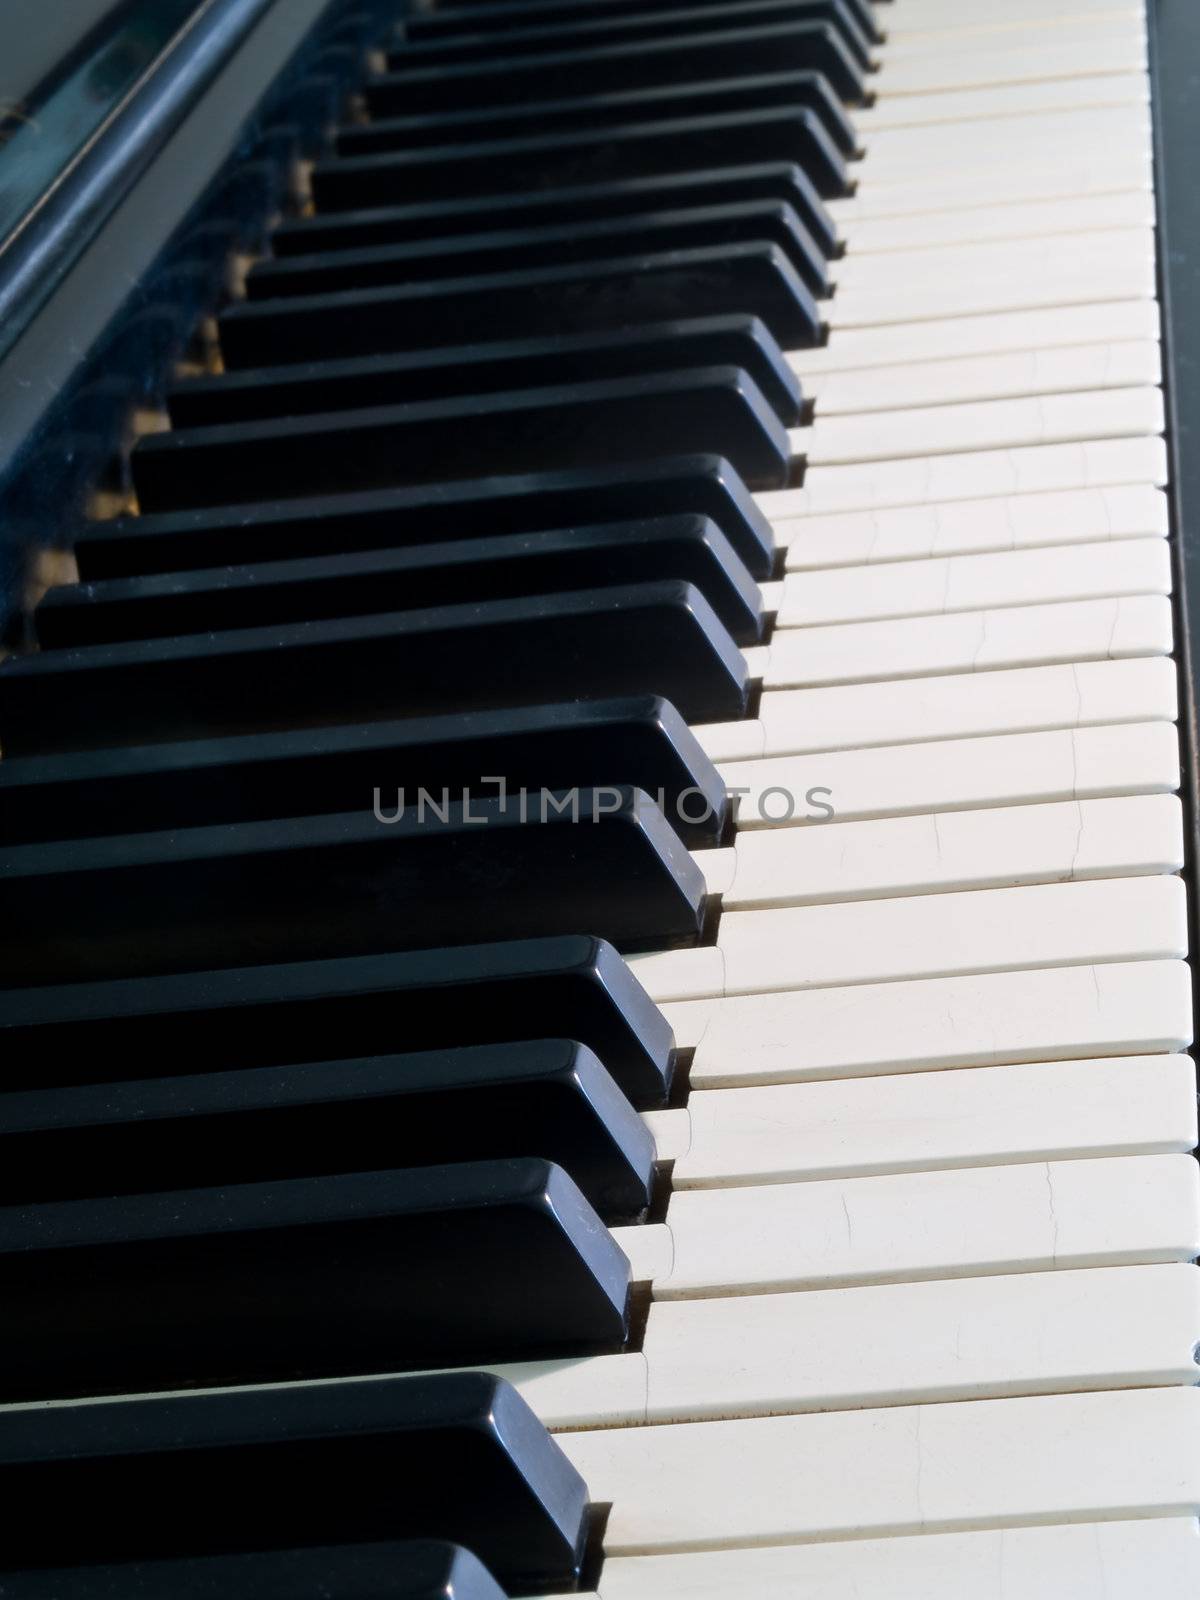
{"points": [[937, 430], [973, 474], [956, 705], [945, 584], [965, 527], [964, 1339], [912, 68], [1119, 1560], [939, 853], [1075, 369], [951, 775], [1011, 100], [905, 1470], [926, 936], [914, 1121], [955, 338]]}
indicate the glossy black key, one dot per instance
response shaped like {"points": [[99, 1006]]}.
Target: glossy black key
{"points": [[549, 1098], [139, 788], [449, 573], [717, 53], [416, 1569], [573, 205], [306, 888], [305, 1278], [305, 387], [575, 987], [596, 424], [308, 1465], [651, 638], [653, 24], [515, 248], [753, 279], [465, 16], [628, 150], [601, 111]]}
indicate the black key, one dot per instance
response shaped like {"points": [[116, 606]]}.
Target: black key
{"points": [[306, 888], [465, 16], [517, 248], [718, 53], [808, 89], [753, 279], [549, 1098], [597, 424], [458, 1456], [650, 638], [520, 38], [450, 573], [381, 519], [411, 1569], [314, 1011], [628, 150], [304, 1278], [139, 788], [574, 205], [297, 390]]}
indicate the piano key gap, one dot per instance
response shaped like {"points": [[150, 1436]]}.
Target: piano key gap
{"points": [[593, 1551]]}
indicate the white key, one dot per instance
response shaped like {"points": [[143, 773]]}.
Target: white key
{"points": [[966, 1222], [950, 775], [1123, 1008], [967, 641], [989, 259], [927, 936], [848, 716], [946, 189], [1002, 33], [1070, 516], [955, 338], [916, 1121], [1119, 1560], [1124, 273], [972, 475], [1014, 100], [1074, 370], [924, 431], [909, 1470], [946, 584], [939, 16], [1014, 220], [1003, 846], [1078, 132], [916, 69], [972, 1339]]}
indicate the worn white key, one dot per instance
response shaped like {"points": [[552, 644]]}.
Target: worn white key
{"points": [[913, 69], [1123, 1008], [1119, 1560], [967, 641], [930, 430], [1012, 100], [1075, 370], [972, 475], [946, 584], [970, 1339], [1124, 273], [909, 1470], [849, 716], [1014, 220], [914, 1121], [1070, 516], [949, 775], [999, 847], [927, 936], [955, 338], [946, 189], [965, 1222]]}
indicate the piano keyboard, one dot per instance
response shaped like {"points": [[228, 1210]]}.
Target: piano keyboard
{"points": [[596, 981]]}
